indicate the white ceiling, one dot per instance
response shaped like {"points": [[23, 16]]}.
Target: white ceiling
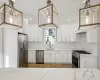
{"points": [[68, 9]]}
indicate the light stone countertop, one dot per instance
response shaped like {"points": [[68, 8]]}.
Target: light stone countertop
{"points": [[49, 74], [53, 49]]}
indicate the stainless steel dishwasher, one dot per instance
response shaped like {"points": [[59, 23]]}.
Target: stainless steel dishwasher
{"points": [[39, 56]]}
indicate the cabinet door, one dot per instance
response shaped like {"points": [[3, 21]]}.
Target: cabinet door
{"points": [[46, 57], [31, 31], [69, 56], [39, 34], [31, 56], [91, 35], [88, 61], [63, 33], [52, 57], [59, 34], [72, 34], [58, 57], [34, 32], [63, 57]]}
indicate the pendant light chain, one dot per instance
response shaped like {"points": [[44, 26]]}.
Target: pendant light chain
{"points": [[11, 3], [48, 2], [87, 3]]}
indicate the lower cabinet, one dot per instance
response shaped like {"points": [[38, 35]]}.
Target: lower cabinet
{"points": [[49, 57], [32, 56], [88, 61], [52, 57], [58, 57]]}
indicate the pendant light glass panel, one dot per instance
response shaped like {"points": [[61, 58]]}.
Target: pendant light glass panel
{"points": [[48, 17], [11, 17], [89, 17]]}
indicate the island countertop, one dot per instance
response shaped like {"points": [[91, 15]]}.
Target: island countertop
{"points": [[49, 74]]}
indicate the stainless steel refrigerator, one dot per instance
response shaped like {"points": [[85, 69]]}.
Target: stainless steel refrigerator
{"points": [[23, 49]]}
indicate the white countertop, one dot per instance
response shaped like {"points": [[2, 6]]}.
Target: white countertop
{"points": [[54, 49], [49, 74]]}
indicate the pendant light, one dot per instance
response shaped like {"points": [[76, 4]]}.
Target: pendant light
{"points": [[10, 17], [48, 16], [89, 15]]}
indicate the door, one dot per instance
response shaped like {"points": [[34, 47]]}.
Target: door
{"points": [[40, 57]]}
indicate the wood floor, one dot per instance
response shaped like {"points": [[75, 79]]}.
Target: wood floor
{"points": [[50, 65]]}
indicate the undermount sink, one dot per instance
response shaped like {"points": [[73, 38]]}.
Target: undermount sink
{"points": [[50, 49]]}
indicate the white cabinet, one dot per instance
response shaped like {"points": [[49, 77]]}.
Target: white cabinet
{"points": [[58, 57], [72, 35], [88, 61], [39, 34], [59, 34], [35, 33], [46, 57], [32, 56], [63, 56], [66, 33], [63, 34], [69, 57], [91, 35], [52, 56], [49, 57]]}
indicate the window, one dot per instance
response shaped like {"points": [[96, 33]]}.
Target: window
{"points": [[50, 35]]}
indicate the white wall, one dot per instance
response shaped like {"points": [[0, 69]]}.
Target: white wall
{"points": [[98, 48], [10, 47], [1, 53]]}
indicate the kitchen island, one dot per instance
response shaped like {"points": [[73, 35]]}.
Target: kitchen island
{"points": [[49, 74]]}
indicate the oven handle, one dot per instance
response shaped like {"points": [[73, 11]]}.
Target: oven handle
{"points": [[75, 56]]}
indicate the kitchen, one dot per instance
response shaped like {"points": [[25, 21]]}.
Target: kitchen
{"points": [[68, 45]]}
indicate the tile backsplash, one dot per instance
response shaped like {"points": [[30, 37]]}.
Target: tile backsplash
{"points": [[89, 47]]}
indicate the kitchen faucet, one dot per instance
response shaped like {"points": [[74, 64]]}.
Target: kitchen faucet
{"points": [[50, 45], [48, 42]]}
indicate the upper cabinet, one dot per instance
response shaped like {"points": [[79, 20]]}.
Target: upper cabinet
{"points": [[59, 34], [88, 35], [66, 33], [91, 35], [35, 33]]}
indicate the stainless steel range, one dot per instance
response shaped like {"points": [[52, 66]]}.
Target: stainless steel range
{"points": [[76, 58]]}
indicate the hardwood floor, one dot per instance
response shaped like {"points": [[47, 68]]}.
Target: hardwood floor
{"points": [[50, 65]]}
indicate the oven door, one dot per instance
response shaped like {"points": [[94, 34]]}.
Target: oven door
{"points": [[75, 61]]}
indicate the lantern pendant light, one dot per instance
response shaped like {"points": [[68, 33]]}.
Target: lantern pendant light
{"points": [[10, 17], [48, 16], [89, 16]]}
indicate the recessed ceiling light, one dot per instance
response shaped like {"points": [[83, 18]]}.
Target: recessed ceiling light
{"points": [[30, 19], [25, 19], [68, 19], [84, 1], [36, 25], [13, 0]]}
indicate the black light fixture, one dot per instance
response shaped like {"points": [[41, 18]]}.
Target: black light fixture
{"points": [[89, 16], [10, 17], [48, 16]]}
